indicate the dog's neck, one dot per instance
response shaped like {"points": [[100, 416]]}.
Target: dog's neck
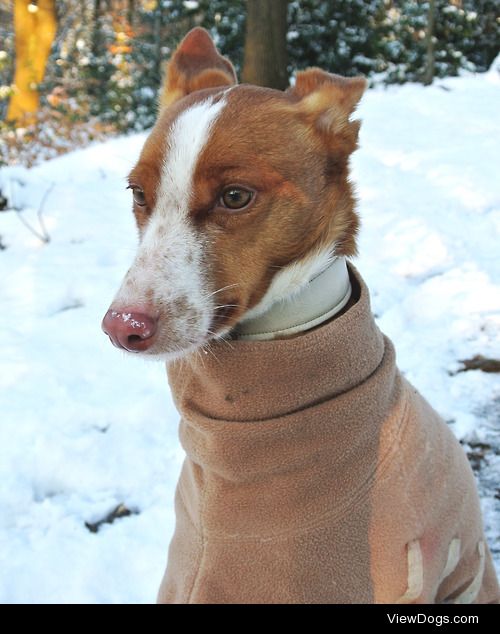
{"points": [[325, 295]]}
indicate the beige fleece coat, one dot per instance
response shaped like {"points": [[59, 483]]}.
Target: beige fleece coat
{"points": [[315, 473]]}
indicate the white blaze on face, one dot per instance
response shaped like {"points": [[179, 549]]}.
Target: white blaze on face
{"points": [[167, 273]]}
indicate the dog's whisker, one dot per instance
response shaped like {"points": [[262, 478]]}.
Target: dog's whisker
{"points": [[199, 356], [220, 337], [208, 350], [224, 288], [226, 306]]}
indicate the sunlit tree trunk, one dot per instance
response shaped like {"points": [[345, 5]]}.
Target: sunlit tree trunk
{"points": [[35, 29], [265, 57]]}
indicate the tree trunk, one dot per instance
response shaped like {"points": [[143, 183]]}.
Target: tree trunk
{"points": [[430, 58], [265, 57], [131, 12], [96, 30], [35, 29], [158, 39]]}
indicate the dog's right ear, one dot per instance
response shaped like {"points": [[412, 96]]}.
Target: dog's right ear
{"points": [[196, 64]]}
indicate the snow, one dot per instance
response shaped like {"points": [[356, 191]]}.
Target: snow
{"points": [[84, 428]]}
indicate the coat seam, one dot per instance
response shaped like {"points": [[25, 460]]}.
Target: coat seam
{"points": [[201, 533]]}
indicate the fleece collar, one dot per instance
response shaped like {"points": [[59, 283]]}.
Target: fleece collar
{"points": [[248, 381], [242, 404], [323, 297]]}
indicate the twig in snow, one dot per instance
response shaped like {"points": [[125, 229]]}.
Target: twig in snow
{"points": [[40, 212], [42, 235], [118, 512]]}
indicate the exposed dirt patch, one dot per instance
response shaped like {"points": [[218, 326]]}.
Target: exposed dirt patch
{"points": [[480, 363], [477, 453]]}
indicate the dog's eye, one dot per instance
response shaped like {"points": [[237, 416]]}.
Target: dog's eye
{"points": [[138, 195], [235, 197]]}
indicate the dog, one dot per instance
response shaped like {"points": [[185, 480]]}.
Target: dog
{"points": [[314, 472]]}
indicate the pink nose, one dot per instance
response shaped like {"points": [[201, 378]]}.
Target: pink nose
{"points": [[130, 331]]}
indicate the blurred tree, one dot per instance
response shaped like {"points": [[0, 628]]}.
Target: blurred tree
{"points": [[158, 27], [131, 9], [107, 59], [6, 56], [480, 43], [35, 29], [342, 37], [98, 72], [430, 42], [265, 54], [226, 20], [466, 36]]}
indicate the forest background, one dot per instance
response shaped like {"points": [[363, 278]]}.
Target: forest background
{"points": [[73, 71]]}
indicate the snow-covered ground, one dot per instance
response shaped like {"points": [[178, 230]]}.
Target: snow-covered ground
{"points": [[84, 429]]}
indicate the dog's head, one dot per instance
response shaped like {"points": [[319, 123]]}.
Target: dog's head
{"points": [[238, 193]]}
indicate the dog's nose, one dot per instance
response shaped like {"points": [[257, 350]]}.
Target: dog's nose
{"points": [[129, 330]]}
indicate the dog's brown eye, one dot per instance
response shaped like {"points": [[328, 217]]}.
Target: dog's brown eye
{"points": [[138, 195], [236, 197]]}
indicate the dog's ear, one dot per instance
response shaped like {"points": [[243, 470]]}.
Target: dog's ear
{"points": [[328, 101], [195, 64]]}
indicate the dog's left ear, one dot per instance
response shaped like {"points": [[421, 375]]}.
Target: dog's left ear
{"points": [[196, 64], [328, 101]]}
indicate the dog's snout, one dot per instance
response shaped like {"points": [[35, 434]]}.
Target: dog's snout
{"points": [[130, 330]]}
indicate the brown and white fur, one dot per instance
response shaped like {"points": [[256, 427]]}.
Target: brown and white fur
{"points": [[201, 268]]}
